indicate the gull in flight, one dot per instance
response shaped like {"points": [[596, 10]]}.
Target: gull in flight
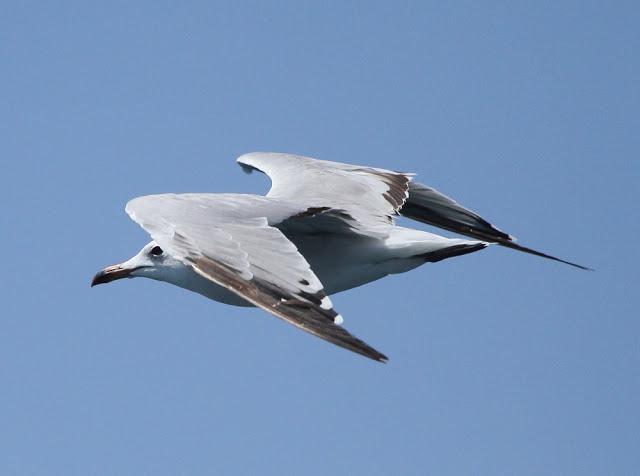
{"points": [[324, 227]]}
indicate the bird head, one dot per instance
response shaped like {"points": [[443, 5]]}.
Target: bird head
{"points": [[149, 262]]}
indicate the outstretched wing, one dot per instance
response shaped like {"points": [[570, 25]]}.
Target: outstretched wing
{"points": [[227, 239], [369, 196]]}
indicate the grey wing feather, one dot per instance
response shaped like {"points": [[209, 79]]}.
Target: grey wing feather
{"points": [[225, 239]]}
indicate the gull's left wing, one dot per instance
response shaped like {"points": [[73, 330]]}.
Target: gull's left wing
{"points": [[227, 239]]}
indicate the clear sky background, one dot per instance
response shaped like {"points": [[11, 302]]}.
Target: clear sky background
{"points": [[501, 363]]}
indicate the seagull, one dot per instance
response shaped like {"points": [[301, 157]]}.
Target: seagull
{"points": [[323, 227]]}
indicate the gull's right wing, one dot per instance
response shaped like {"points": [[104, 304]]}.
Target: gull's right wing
{"points": [[368, 197]]}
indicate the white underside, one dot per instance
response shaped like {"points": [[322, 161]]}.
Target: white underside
{"points": [[340, 261]]}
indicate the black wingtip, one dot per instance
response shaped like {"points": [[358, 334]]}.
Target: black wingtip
{"points": [[383, 359], [360, 347], [429, 206], [370, 353], [515, 246]]}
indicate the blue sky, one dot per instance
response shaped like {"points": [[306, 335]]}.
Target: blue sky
{"points": [[501, 363]]}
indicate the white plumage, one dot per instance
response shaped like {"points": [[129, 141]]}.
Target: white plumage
{"points": [[324, 227]]}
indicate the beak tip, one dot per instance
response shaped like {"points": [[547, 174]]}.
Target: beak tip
{"points": [[109, 274], [98, 279]]}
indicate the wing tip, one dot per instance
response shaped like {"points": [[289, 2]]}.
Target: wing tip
{"points": [[245, 163], [525, 249], [371, 353]]}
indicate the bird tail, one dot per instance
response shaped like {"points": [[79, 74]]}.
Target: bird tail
{"points": [[452, 251]]}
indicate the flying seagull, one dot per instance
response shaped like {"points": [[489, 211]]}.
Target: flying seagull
{"points": [[324, 227]]}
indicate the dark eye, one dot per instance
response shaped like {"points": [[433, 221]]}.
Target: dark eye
{"points": [[156, 251]]}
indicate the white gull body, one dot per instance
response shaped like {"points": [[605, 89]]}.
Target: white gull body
{"points": [[340, 262], [324, 227]]}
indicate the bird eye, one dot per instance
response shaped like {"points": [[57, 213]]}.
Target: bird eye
{"points": [[156, 251]]}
